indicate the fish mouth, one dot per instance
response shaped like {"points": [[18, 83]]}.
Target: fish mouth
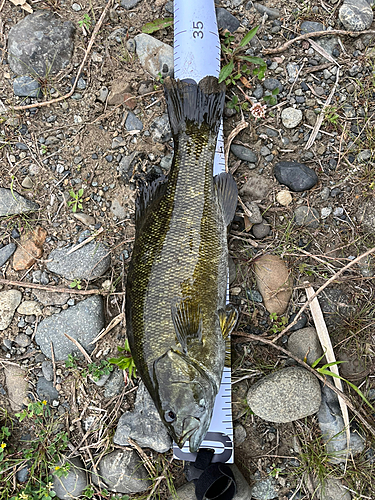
{"points": [[190, 426]]}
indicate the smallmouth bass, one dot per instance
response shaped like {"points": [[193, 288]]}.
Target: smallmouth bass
{"points": [[176, 316]]}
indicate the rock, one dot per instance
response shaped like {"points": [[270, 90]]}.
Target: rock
{"points": [[12, 203], [102, 95], [271, 13], [143, 425], [305, 342], [122, 471], [47, 369], [129, 4], [73, 484], [30, 249], [356, 15], [127, 165], [17, 386], [254, 296], [264, 488], [243, 153], [160, 129], [118, 210], [332, 427], [22, 475], [132, 122], [118, 90], [225, 20], [307, 217], [29, 307], [46, 391], [6, 252], [335, 306], [40, 44], [354, 367], [9, 301], [118, 142], [239, 434], [364, 156], [291, 117], [253, 212], [273, 84], [301, 322], [261, 230], [286, 395], [27, 183], [297, 176], [155, 56], [83, 322], [274, 283], [284, 198], [22, 340], [256, 188], [50, 298], [25, 86], [366, 216], [332, 489], [115, 384], [86, 219], [88, 262], [311, 27]]}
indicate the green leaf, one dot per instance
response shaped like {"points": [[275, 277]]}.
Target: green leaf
{"points": [[157, 24], [317, 361], [80, 192], [360, 393], [226, 71], [254, 60], [246, 39]]}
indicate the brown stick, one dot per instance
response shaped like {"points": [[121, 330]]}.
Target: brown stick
{"points": [[257, 338], [287, 44], [70, 93], [51, 288]]}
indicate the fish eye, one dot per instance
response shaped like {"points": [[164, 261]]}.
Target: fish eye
{"points": [[169, 416]]}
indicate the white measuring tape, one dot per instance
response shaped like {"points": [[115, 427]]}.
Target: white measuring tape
{"points": [[196, 55]]}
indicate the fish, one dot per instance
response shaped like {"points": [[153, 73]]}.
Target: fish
{"points": [[177, 319]]}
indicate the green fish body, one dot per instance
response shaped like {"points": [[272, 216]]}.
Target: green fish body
{"points": [[176, 316]]}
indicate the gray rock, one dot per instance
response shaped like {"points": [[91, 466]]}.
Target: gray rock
{"points": [[22, 340], [29, 308], [364, 155], [129, 4], [297, 176], [132, 122], [225, 20], [126, 165], [272, 84], [122, 471], [73, 484], [292, 70], [305, 342], [332, 427], [166, 162], [239, 434], [261, 230], [103, 94], [115, 384], [264, 488], [160, 129], [83, 322], [291, 117], [9, 301], [45, 390], [254, 296], [356, 15], [307, 217], [25, 86], [255, 188], [118, 142], [50, 298], [271, 13], [17, 386], [243, 153], [155, 56], [332, 489], [366, 216], [117, 209], [335, 306], [286, 395], [47, 369], [310, 27], [6, 252], [22, 475], [88, 262], [258, 92], [253, 212], [12, 203], [40, 44], [143, 425]]}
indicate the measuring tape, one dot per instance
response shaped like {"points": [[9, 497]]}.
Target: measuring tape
{"points": [[196, 55]]}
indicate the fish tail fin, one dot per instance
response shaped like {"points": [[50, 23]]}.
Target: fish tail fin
{"points": [[199, 103]]}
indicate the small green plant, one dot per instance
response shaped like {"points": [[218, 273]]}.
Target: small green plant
{"points": [[43, 149], [237, 66], [71, 362], [98, 370], [271, 100], [275, 471], [77, 200], [331, 116], [157, 24], [85, 22], [125, 361], [278, 324], [75, 283]]}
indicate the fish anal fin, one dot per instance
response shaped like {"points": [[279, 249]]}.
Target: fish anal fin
{"points": [[227, 194], [228, 318], [187, 321], [148, 194]]}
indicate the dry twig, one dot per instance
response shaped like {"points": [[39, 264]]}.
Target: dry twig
{"points": [[77, 344]]}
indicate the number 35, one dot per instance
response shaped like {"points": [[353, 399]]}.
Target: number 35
{"points": [[198, 26]]}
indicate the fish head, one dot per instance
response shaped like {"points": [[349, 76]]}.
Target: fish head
{"points": [[185, 397]]}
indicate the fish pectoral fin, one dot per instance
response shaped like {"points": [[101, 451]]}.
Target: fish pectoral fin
{"points": [[228, 318], [187, 321], [227, 193], [147, 194]]}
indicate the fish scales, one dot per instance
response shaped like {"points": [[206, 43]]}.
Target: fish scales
{"points": [[177, 278]]}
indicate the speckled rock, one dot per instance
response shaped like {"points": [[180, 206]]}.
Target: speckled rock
{"points": [[13, 203], [356, 15], [285, 395], [291, 117], [29, 307], [155, 56], [366, 216], [9, 301], [255, 188], [307, 217], [305, 342], [73, 484], [17, 386]]}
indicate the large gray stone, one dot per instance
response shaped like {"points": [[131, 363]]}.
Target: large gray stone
{"points": [[72, 485], [333, 489], [122, 471], [286, 395], [46, 390], [155, 56], [143, 425], [88, 262], [305, 342], [9, 301], [83, 322], [356, 15], [17, 386], [40, 44], [12, 203], [6, 252]]}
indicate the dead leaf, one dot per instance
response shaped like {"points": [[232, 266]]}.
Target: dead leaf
{"points": [[23, 4], [245, 82]]}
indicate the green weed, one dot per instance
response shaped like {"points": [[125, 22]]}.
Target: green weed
{"points": [[125, 361], [157, 24], [77, 200], [85, 22], [75, 283], [97, 370]]}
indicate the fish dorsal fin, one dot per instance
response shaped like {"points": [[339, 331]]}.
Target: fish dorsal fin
{"points": [[148, 194], [196, 103], [228, 318], [187, 321], [227, 195]]}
